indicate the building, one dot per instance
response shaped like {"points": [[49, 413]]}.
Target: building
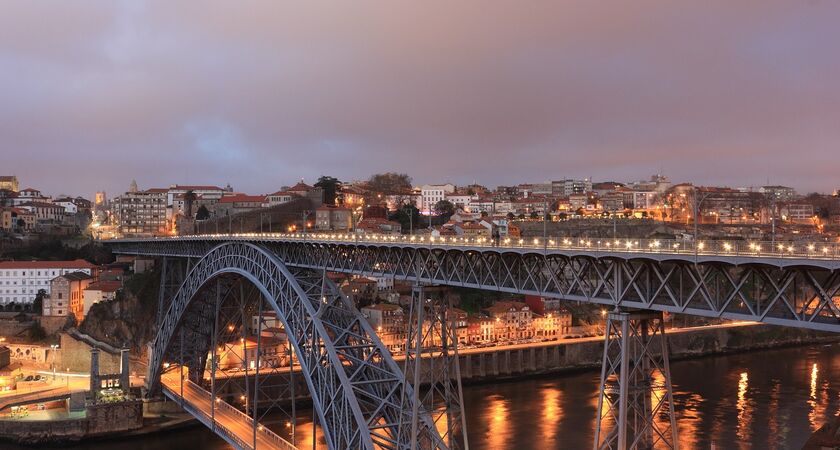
{"points": [[640, 200], [207, 192], [612, 201], [430, 194], [301, 189], [67, 295], [10, 219], [461, 200], [565, 188], [474, 230], [44, 212], [279, 198], [242, 353], [20, 281], [798, 212], [238, 203], [9, 182], [389, 323], [376, 225], [552, 325], [333, 218], [779, 193], [101, 291], [513, 320], [141, 212]]}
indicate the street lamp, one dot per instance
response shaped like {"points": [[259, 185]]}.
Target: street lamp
{"points": [[54, 348]]}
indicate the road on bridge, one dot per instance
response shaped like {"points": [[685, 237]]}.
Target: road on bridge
{"points": [[235, 423]]}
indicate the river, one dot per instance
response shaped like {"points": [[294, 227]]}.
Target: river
{"points": [[769, 399]]}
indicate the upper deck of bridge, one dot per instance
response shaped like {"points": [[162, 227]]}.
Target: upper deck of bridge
{"points": [[820, 254]]}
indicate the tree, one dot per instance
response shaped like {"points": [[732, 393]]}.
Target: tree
{"points": [[21, 224], [444, 209], [389, 183], [484, 214], [203, 213], [407, 216], [38, 303], [37, 333], [511, 216], [521, 216], [534, 215], [332, 189]]}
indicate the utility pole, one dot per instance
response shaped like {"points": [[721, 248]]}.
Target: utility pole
{"points": [[773, 219]]}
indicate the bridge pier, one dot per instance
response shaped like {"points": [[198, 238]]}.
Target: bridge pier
{"points": [[431, 358], [635, 402]]}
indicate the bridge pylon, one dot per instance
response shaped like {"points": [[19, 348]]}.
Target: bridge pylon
{"points": [[635, 402], [431, 362]]}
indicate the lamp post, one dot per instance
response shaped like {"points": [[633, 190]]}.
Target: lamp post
{"points": [[54, 348]]}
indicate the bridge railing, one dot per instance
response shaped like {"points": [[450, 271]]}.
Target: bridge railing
{"points": [[745, 248]]}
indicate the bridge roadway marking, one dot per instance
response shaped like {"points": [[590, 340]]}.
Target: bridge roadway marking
{"points": [[226, 416]]}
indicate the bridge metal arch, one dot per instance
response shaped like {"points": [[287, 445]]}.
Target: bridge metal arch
{"points": [[358, 391]]}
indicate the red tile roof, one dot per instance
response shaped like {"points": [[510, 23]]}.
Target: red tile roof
{"points": [[197, 187], [105, 286], [301, 187], [77, 264]]}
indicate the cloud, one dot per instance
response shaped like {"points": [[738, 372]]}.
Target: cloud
{"points": [[260, 94]]}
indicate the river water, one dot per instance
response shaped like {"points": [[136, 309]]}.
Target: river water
{"points": [[769, 399]]}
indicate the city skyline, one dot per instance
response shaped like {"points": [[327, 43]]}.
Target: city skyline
{"points": [[264, 95]]}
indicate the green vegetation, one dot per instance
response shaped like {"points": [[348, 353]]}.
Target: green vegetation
{"points": [[56, 250], [473, 300], [332, 189], [202, 213]]}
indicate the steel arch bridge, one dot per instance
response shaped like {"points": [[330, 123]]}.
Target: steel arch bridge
{"points": [[360, 395], [363, 399]]}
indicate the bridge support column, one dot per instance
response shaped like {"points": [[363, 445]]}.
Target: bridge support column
{"points": [[635, 403], [432, 361]]}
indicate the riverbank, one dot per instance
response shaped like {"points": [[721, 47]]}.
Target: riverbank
{"points": [[510, 362]]}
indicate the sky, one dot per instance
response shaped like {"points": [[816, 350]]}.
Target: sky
{"points": [[261, 94]]}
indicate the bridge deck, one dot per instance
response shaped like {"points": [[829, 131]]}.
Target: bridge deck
{"points": [[230, 423], [824, 254]]}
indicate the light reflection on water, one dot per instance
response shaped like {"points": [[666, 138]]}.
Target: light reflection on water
{"points": [[770, 400]]}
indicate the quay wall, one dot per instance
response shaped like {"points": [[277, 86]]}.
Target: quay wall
{"points": [[564, 356], [99, 420]]}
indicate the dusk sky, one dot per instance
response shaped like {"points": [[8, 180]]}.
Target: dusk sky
{"points": [[94, 94]]}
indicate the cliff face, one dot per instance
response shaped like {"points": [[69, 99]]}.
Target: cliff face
{"points": [[129, 320]]}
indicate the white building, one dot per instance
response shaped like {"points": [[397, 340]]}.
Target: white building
{"points": [[102, 291], [461, 201], [278, 198], [20, 281], [430, 194]]}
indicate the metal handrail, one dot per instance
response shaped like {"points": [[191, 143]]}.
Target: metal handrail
{"points": [[261, 430]]}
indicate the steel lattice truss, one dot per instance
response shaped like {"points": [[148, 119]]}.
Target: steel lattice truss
{"points": [[356, 387], [431, 358], [797, 293], [635, 402]]}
